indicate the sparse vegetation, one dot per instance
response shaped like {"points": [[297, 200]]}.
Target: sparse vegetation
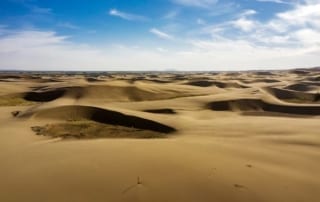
{"points": [[91, 130], [15, 113]]}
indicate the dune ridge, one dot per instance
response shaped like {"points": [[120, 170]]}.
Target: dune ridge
{"points": [[261, 105], [295, 96], [208, 83], [107, 92], [73, 113]]}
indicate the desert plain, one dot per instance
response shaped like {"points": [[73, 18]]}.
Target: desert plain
{"points": [[160, 136]]}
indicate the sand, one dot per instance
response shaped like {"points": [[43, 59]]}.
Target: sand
{"points": [[239, 136]]}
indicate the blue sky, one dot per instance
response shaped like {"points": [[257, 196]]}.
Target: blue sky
{"points": [[159, 34]]}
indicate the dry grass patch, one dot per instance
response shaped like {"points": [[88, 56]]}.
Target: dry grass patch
{"points": [[91, 130]]}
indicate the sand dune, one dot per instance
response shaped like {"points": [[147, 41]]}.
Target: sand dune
{"points": [[161, 111], [293, 96], [197, 136], [108, 92], [74, 113], [261, 80], [264, 73], [206, 83], [314, 78], [301, 87], [92, 79], [45, 96], [261, 105]]}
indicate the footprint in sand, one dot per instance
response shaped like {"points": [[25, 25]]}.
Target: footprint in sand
{"points": [[249, 166], [137, 185], [239, 186]]}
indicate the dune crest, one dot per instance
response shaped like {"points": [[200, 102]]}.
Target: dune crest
{"points": [[74, 113], [261, 105]]}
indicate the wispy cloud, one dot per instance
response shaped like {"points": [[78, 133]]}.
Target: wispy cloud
{"points": [[67, 25], [161, 34], [40, 10], [171, 14], [244, 22], [248, 13], [30, 4], [222, 8], [279, 1], [196, 3], [297, 28], [127, 16]]}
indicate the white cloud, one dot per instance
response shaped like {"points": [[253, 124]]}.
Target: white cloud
{"points": [[242, 54], [42, 50], [160, 34], [27, 40], [290, 39], [278, 1], [307, 36], [244, 24], [281, 30], [127, 16], [248, 13], [300, 24], [303, 15]]}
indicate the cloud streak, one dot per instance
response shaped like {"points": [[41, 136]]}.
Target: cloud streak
{"points": [[68, 25], [278, 1], [127, 16], [40, 10], [196, 3], [161, 34]]}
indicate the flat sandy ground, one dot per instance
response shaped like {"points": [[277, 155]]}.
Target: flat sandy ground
{"points": [[249, 136]]}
